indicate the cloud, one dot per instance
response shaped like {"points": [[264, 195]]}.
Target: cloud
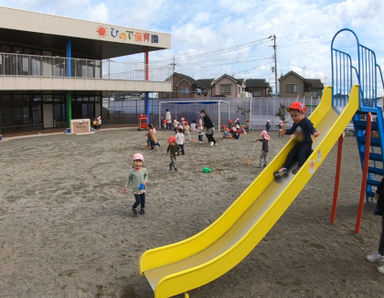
{"points": [[98, 13], [304, 30]]}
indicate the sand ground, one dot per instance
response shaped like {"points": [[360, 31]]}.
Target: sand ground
{"points": [[66, 228]]}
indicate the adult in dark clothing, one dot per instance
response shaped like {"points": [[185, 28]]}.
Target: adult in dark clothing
{"points": [[208, 124], [378, 256]]}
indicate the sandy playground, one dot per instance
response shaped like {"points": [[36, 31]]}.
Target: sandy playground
{"points": [[66, 228]]}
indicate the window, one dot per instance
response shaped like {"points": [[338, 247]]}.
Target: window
{"points": [[291, 88], [225, 89], [256, 93], [184, 91]]}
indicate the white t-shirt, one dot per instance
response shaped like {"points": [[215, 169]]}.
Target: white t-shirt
{"points": [[180, 138], [168, 116]]}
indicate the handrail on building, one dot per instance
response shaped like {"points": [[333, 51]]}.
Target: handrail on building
{"points": [[15, 64]]}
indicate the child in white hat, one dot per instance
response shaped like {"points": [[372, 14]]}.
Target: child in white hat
{"points": [[264, 138], [137, 180]]}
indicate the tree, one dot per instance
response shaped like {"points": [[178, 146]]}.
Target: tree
{"points": [[281, 112]]}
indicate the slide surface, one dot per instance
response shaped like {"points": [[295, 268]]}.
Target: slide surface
{"points": [[195, 261]]}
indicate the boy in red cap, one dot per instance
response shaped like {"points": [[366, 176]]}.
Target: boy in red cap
{"points": [[173, 150], [303, 129]]}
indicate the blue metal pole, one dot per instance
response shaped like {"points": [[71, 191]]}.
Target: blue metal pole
{"points": [[146, 61], [69, 56], [69, 74], [147, 106]]}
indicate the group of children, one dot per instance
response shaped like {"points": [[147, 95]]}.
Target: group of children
{"points": [[235, 129], [302, 128]]}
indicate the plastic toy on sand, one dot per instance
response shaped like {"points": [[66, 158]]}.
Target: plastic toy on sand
{"points": [[141, 186], [206, 170]]}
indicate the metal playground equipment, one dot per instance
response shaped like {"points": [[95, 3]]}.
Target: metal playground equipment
{"points": [[368, 120], [180, 267]]}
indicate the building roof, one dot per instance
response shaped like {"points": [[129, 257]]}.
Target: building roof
{"points": [[185, 77], [205, 83], [315, 83], [237, 81], [291, 73], [89, 39], [257, 83]]}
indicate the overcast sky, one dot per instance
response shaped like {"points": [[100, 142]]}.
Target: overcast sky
{"points": [[210, 38]]}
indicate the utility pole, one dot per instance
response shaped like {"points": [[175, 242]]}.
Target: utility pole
{"points": [[273, 37], [173, 64]]}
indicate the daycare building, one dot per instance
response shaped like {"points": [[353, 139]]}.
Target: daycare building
{"points": [[54, 69]]}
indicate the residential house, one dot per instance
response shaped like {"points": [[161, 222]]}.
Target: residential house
{"points": [[258, 87], [292, 85], [184, 86], [227, 86]]}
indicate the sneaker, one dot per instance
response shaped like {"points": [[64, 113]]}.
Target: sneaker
{"points": [[295, 170], [375, 257], [142, 211], [211, 144], [280, 173], [134, 212], [381, 269]]}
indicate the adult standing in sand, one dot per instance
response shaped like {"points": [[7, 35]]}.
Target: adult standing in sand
{"points": [[168, 118], [208, 124], [378, 256]]}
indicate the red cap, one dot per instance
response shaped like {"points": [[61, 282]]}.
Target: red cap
{"points": [[172, 139], [297, 105]]}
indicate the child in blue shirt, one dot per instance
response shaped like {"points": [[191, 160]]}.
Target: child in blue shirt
{"points": [[303, 130]]}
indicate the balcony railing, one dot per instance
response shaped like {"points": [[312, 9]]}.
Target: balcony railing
{"points": [[54, 66]]}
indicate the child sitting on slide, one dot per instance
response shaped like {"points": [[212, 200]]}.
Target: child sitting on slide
{"points": [[303, 129]]}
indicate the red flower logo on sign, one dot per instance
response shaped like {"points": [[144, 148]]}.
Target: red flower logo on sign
{"points": [[102, 31]]}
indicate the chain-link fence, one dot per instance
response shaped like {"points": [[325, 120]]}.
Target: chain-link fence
{"points": [[257, 109]]}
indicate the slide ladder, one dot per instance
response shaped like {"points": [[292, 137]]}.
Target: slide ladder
{"points": [[366, 73]]}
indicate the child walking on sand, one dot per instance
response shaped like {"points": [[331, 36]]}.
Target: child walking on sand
{"points": [[378, 256], [173, 150], [200, 130], [137, 180], [151, 136], [264, 138], [180, 141], [303, 129], [281, 129]]}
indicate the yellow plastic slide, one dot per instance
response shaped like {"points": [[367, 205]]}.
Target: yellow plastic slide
{"points": [[180, 267]]}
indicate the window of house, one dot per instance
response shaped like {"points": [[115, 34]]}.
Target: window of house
{"points": [[256, 93], [199, 91], [292, 88], [184, 91], [315, 94], [225, 88]]}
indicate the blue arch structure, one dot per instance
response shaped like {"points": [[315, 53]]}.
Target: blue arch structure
{"points": [[366, 72]]}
